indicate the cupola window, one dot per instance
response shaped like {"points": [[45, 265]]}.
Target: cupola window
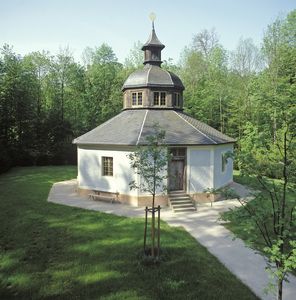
{"points": [[162, 98], [177, 99], [156, 98], [140, 98], [134, 98], [159, 98], [137, 98]]}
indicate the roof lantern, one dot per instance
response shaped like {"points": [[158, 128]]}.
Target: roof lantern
{"points": [[152, 48]]}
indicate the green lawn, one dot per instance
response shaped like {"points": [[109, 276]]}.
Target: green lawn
{"points": [[49, 251], [240, 222]]}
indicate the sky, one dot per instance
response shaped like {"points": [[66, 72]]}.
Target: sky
{"points": [[36, 25]]}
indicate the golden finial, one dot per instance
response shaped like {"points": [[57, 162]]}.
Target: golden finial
{"points": [[152, 17]]}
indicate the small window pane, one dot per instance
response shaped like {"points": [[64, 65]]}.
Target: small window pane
{"points": [[178, 152], [174, 99], [140, 101], [177, 99], [107, 163], [162, 98], [156, 98], [134, 98], [223, 162], [181, 152]]}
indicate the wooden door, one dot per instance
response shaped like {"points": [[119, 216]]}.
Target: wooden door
{"points": [[176, 175]]}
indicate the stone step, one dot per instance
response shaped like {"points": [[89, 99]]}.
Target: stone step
{"points": [[187, 209], [181, 202], [173, 201], [179, 198], [183, 205], [177, 194]]}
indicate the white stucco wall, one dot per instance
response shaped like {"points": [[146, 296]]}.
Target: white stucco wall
{"points": [[90, 170], [199, 169], [204, 168], [222, 178], [161, 189]]}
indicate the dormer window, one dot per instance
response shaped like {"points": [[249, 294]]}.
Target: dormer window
{"points": [[137, 99], [159, 98], [177, 99]]}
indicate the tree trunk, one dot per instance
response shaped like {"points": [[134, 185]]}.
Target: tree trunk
{"points": [[280, 290], [153, 212], [274, 126], [153, 230], [158, 231], [221, 114], [145, 229], [283, 214], [62, 101]]}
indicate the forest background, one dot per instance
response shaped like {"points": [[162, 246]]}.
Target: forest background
{"points": [[48, 100]]}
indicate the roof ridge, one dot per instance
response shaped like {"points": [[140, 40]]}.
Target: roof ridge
{"points": [[195, 128], [222, 135], [141, 130], [148, 73]]}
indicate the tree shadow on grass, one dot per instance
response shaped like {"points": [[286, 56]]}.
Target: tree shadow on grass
{"points": [[49, 251]]}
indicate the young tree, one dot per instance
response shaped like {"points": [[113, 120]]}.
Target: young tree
{"points": [[273, 214], [150, 162], [268, 149]]}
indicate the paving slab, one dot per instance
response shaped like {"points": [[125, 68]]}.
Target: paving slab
{"points": [[204, 225]]}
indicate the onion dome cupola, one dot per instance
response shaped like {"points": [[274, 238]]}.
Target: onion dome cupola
{"points": [[152, 49], [152, 86]]}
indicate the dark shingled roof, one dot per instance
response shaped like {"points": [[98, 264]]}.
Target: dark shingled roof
{"points": [[152, 76], [131, 127], [153, 41]]}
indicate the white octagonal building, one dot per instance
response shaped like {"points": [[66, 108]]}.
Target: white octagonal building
{"points": [[153, 95]]}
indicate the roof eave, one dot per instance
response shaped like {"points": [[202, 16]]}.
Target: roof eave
{"points": [[144, 144], [136, 86]]}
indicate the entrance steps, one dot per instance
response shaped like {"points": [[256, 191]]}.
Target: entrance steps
{"points": [[180, 202]]}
